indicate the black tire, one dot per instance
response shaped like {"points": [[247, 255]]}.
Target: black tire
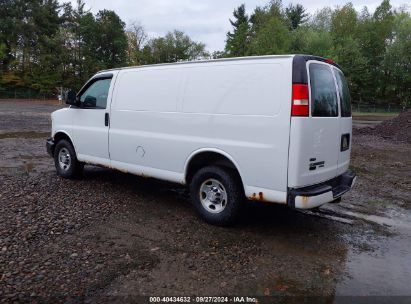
{"points": [[73, 168], [233, 189]]}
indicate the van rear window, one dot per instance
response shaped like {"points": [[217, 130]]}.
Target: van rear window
{"points": [[324, 102], [344, 93]]}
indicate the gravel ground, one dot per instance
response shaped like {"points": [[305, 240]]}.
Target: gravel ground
{"points": [[396, 129], [112, 237]]}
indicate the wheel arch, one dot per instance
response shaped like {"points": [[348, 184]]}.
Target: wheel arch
{"points": [[59, 135], [209, 156]]}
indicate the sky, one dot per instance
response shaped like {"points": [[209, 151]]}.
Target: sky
{"points": [[204, 21]]}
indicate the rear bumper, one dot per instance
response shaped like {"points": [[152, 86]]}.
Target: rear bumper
{"points": [[326, 192], [50, 145]]}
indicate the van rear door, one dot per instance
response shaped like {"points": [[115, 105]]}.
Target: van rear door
{"points": [[315, 137], [345, 121]]}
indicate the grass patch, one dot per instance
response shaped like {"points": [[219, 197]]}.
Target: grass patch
{"points": [[382, 114], [26, 135]]}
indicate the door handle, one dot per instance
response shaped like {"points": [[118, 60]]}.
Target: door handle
{"points": [[106, 119]]}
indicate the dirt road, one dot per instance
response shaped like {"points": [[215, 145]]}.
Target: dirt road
{"points": [[362, 121], [112, 237]]}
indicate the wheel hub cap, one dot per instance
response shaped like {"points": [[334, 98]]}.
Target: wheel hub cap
{"points": [[64, 159], [213, 196]]}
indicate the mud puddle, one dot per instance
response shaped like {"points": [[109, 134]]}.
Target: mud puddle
{"points": [[382, 266], [386, 271], [396, 218]]}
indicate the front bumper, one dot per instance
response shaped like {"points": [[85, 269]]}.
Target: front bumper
{"points": [[50, 145], [326, 192]]}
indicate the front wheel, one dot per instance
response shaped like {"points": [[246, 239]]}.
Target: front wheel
{"points": [[65, 160], [217, 195]]}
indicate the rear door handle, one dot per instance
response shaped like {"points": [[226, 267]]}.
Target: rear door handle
{"points": [[106, 119]]}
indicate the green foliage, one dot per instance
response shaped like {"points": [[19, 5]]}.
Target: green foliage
{"points": [[111, 43], [237, 41], [269, 31], [321, 20], [218, 55], [397, 61], [175, 46], [272, 38], [306, 40], [372, 49], [343, 23], [28, 33], [348, 55], [136, 38], [46, 44], [2, 56], [296, 15]]}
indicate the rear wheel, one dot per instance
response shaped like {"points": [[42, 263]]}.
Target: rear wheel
{"points": [[65, 160], [217, 195]]}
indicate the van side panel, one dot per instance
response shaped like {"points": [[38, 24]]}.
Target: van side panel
{"points": [[233, 89], [154, 90], [247, 106], [241, 108], [143, 115]]}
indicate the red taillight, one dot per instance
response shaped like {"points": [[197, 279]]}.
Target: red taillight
{"points": [[300, 104], [329, 61]]}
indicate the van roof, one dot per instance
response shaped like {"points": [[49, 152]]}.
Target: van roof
{"points": [[201, 61], [299, 61]]}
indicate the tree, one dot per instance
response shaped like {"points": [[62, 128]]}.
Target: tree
{"points": [[271, 38], [45, 44], [269, 31], [175, 46], [306, 40], [218, 54], [111, 42], [28, 32], [10, 28], [262, 15], [2, 51], [45, 71], [321, 20], [274, 9], [355, 65], [344, 23], [397, 61], [383, 27], [237, 41], [136, 37], [296, 15], [258, 18], [2, 56]]}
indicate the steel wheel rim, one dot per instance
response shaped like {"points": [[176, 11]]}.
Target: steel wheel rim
{"points": [[213, 196], [64, 159]]}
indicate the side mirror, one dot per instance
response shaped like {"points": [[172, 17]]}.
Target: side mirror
{"points": [[71, 98]]}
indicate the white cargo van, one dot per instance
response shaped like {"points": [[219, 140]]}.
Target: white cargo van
{"points": [[273, 128]]}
